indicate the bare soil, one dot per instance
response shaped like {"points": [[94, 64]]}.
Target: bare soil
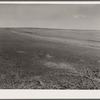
{"points": [[37, 59]]}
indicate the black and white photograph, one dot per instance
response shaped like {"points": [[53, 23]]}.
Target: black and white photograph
{"points": [[50, 46]]}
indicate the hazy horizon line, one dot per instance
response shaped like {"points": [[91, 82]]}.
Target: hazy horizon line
{"points": [[53, 28]]}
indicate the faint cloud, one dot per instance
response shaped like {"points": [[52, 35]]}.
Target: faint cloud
{"points": [[79, 16]]}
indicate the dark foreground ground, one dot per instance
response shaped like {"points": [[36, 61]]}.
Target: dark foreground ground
{"points": [[35, 62]]}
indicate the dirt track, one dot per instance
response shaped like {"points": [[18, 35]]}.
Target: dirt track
{"points": [[78, 42]]}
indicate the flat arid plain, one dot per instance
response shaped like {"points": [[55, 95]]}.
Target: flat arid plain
{"points": [[41, 58]]}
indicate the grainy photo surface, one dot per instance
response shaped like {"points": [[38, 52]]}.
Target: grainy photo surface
{"points": [[50, 46]]}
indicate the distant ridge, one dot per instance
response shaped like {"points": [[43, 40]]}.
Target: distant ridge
{"points": [[53, 28]]}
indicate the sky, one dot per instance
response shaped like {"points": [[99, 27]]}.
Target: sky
{"points": [[63, 16]]}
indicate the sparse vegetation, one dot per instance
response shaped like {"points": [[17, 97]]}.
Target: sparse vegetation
{"points": [[31, 63]]}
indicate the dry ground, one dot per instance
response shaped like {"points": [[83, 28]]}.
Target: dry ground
{"points": [[49, 59]]}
